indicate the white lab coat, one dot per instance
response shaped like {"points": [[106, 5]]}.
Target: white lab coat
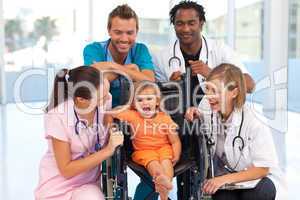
{"points": [[217, 54], [259, 147]]}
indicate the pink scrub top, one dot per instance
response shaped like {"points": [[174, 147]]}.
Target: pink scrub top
{"points": [[60, 124]]}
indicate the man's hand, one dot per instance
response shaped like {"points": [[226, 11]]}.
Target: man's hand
{"points": [[104, 65], [132, 67], [199, 67], [176, 76]]}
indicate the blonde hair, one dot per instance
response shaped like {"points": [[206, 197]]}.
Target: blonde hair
{"points": [[139, 87], [143, 85], [233, 78]]}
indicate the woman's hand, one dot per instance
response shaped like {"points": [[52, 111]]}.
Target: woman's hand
{"points": [[212, 185], [192, 113], [116, 139]]}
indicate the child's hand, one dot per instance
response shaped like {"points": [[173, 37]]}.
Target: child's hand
{"points": [[192, 113]]}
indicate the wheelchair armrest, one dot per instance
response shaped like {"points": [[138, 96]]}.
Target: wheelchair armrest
{"points": [[182, 166]]}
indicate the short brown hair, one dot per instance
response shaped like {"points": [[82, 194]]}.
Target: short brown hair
{"points": [[232, 75], [124, 12]]}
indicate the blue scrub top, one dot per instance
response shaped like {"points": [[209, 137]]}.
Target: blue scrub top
{"points": [[99, 52]]}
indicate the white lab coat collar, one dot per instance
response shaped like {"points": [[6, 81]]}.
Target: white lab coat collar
{"points": [[233, 130], [206, 48], [203, 54], [237, 117]]}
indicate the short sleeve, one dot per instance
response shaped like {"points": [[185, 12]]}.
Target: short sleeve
{"points": [[54, 127], [142, 57], [262, 147], [169, 122], [126, 115], [160, 75], [93, 53]]}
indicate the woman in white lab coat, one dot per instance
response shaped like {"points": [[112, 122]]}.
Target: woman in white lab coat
{"points": [[244, 152]]}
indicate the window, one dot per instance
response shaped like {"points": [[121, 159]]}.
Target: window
{"points": [[294, 34], [155, 29], [41, 34], [216, 19], [294, 56], [249, 32]]}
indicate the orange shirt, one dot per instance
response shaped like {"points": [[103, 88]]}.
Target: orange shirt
{"points": [[148, 134]]}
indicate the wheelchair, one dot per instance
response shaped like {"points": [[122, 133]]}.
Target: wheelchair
{"points": [[193, 166]]}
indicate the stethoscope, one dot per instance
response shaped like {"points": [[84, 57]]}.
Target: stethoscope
{"points": [[237, 140], [78, 125], [106, 51], [175, 58]]}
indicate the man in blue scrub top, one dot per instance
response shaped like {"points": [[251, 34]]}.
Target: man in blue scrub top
{"points": [[121, 52]]}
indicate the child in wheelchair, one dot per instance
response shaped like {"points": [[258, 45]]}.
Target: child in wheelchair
{"points": [[155, 141]]}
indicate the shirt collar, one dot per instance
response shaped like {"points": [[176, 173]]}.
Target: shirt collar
{"points": [[109, 56]]}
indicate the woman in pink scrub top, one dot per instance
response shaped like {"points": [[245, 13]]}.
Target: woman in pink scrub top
{"points": [[70, 168]]}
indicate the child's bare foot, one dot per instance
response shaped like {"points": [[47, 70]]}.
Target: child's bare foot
{"points": [[164, 181], [163, 197], [163, 192]]}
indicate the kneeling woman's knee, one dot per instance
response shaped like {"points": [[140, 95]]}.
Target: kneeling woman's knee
{"points": [[265, 190], [88, 191]]}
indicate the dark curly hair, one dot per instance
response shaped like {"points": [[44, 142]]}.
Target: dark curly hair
{"points": [[187, 5]]}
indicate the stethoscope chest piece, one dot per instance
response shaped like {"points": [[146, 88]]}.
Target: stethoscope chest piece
{"points": [[81, 124]]}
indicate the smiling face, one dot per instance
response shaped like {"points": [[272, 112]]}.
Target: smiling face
{"points": [[146, 102], [123, 34], [221, 96], [188, 26]]}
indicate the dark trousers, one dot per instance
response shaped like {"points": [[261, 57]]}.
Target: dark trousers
{"points": [[265, 190]]}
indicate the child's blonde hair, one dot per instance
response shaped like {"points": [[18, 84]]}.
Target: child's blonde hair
{"points": [[143, 85], [232, 77], [139, 87]]}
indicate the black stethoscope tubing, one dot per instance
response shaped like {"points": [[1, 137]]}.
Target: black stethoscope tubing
{"points": [[106, 51], [78, 121], [236, 139], [174, 57]]}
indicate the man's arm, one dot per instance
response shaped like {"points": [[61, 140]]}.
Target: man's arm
{"points": [[199, 67], [136, 75], [131, 70], [250, 84], [230, 56]]}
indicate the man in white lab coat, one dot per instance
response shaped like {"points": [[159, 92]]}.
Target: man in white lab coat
{"points": [[191, 51], [193, 54]]}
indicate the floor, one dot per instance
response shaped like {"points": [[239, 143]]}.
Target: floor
{"points": [[22, 145]]}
